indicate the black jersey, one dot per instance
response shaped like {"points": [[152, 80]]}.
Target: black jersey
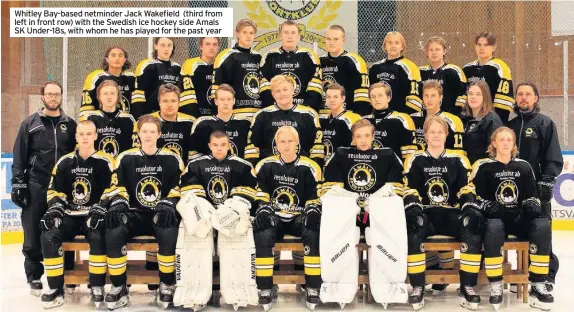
{"points": [[455, 135], [261, 141], [453, 82], [497, 75], [150, 75], [196, 80], [302, 68], [404, 78], [337, 132], [350, 71], [117, 131], [288, 187], [79, 183], [477, 134], [239, 68], [176, 135], [143, 180], [237, 128], [394, 130], [126, 81], [437, 182], [508, 184]]}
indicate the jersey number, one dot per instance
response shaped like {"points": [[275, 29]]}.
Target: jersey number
{"points": [[187, 84], [503, 87], [414, 87], [87, 98], [458, 141], [364, 81]]}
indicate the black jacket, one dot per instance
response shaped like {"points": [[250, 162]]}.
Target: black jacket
{"points": [[38, 146], [477, 133]]}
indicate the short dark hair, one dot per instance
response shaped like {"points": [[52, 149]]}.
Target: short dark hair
{"points": [[167, 88], [535, 89], [106, 65], [148, 119], [490, 38], [335, 86], [51, 82], [218, 134], [156, 40]]}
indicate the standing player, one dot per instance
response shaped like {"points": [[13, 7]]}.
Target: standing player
{"points": [[288, 204], [494, 71], [399, 73], [235, 126], [117, 131], [435, 187], [239, 68], [337, 127], [76, 187], [43, 138], [143, 197], [449, 76], [175, 126], [300, 65], [196, 77], [507, 187], [114, 67], [432, 98], [261, 141], [346, 69], [151, 74], [538, 144], [393, 129]]}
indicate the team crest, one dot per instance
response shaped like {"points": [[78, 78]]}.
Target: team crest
{"points": [[328, 149], [285, 199], [251, 85], [422, 247], [124, 250], [377, 144], [533, 248], [530, 133], [507, 192], [149, 191], [124, 104], [208, 97], [307, 250], [174, 147], [362, 177], [217, 188], [295, 81], [63, 127], [109, 145], [81, 191], [437, 191], [233, 149], [463, 247], [327, 80], [60, 251]]}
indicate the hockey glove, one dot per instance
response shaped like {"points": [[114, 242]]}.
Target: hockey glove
{"points": [[492, 209], [415, 216], [96, 216], [53, 217], [117, 214], [165, 215], [264, 218], [532, 209], [20, 194], [545, 189], [312, 217], [472, 218]]}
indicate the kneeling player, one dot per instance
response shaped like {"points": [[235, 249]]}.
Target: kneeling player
{"points": [[143, 196], [288, 204], [435, 186], [78, 182], [507, 187]]}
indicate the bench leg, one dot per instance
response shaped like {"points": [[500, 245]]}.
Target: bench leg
{"points": [[519, 291], [525, 293]]}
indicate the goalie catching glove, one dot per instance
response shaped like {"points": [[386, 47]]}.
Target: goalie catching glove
{"points": [[232, 218]]}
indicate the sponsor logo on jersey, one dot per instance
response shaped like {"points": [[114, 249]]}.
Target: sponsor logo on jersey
{"points": [[109, 145], [362, 177], [437, 191], [507, 192], [251, 85], [81, 190], [148, 191], [217, 188], [286, 200]]}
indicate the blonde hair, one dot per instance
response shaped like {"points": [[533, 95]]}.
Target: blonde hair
{"points": [[492, 149], [338, 27], [486, 106], [279, 79], [289, 23], [401, 38], [286, 129], [245, 23], [436, 39], [435, 119], [87, 122], [377, 85], [362, 123], [432, 84], [109, 83]]}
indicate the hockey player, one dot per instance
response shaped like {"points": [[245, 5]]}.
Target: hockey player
{"points": [[42, 139], [538, 144], [346, 69], [151, 74], [261, 142], [143, 195], [393, 129], [117, 131], [197, 76], [236, 126], [288, 204], [432, 98], [175, 126], [507, 187], [494, 71], [300, 65], [114, 67], [480, 121], [399, 73], [78, 182], [239, 68], [439, 202], [337, 127], [449, 76]]}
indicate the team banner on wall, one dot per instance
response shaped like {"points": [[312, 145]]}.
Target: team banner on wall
{"points": [[313, 17]]}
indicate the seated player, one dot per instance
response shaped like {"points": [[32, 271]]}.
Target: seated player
{"points": [[143, 197], [236, 126], [439, 202], [392, 129], [117, 131], [507, 187], [78, 182], [287, 204]]}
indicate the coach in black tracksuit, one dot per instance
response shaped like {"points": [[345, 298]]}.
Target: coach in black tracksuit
{"points": [[43, 138], [538, 144]]}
